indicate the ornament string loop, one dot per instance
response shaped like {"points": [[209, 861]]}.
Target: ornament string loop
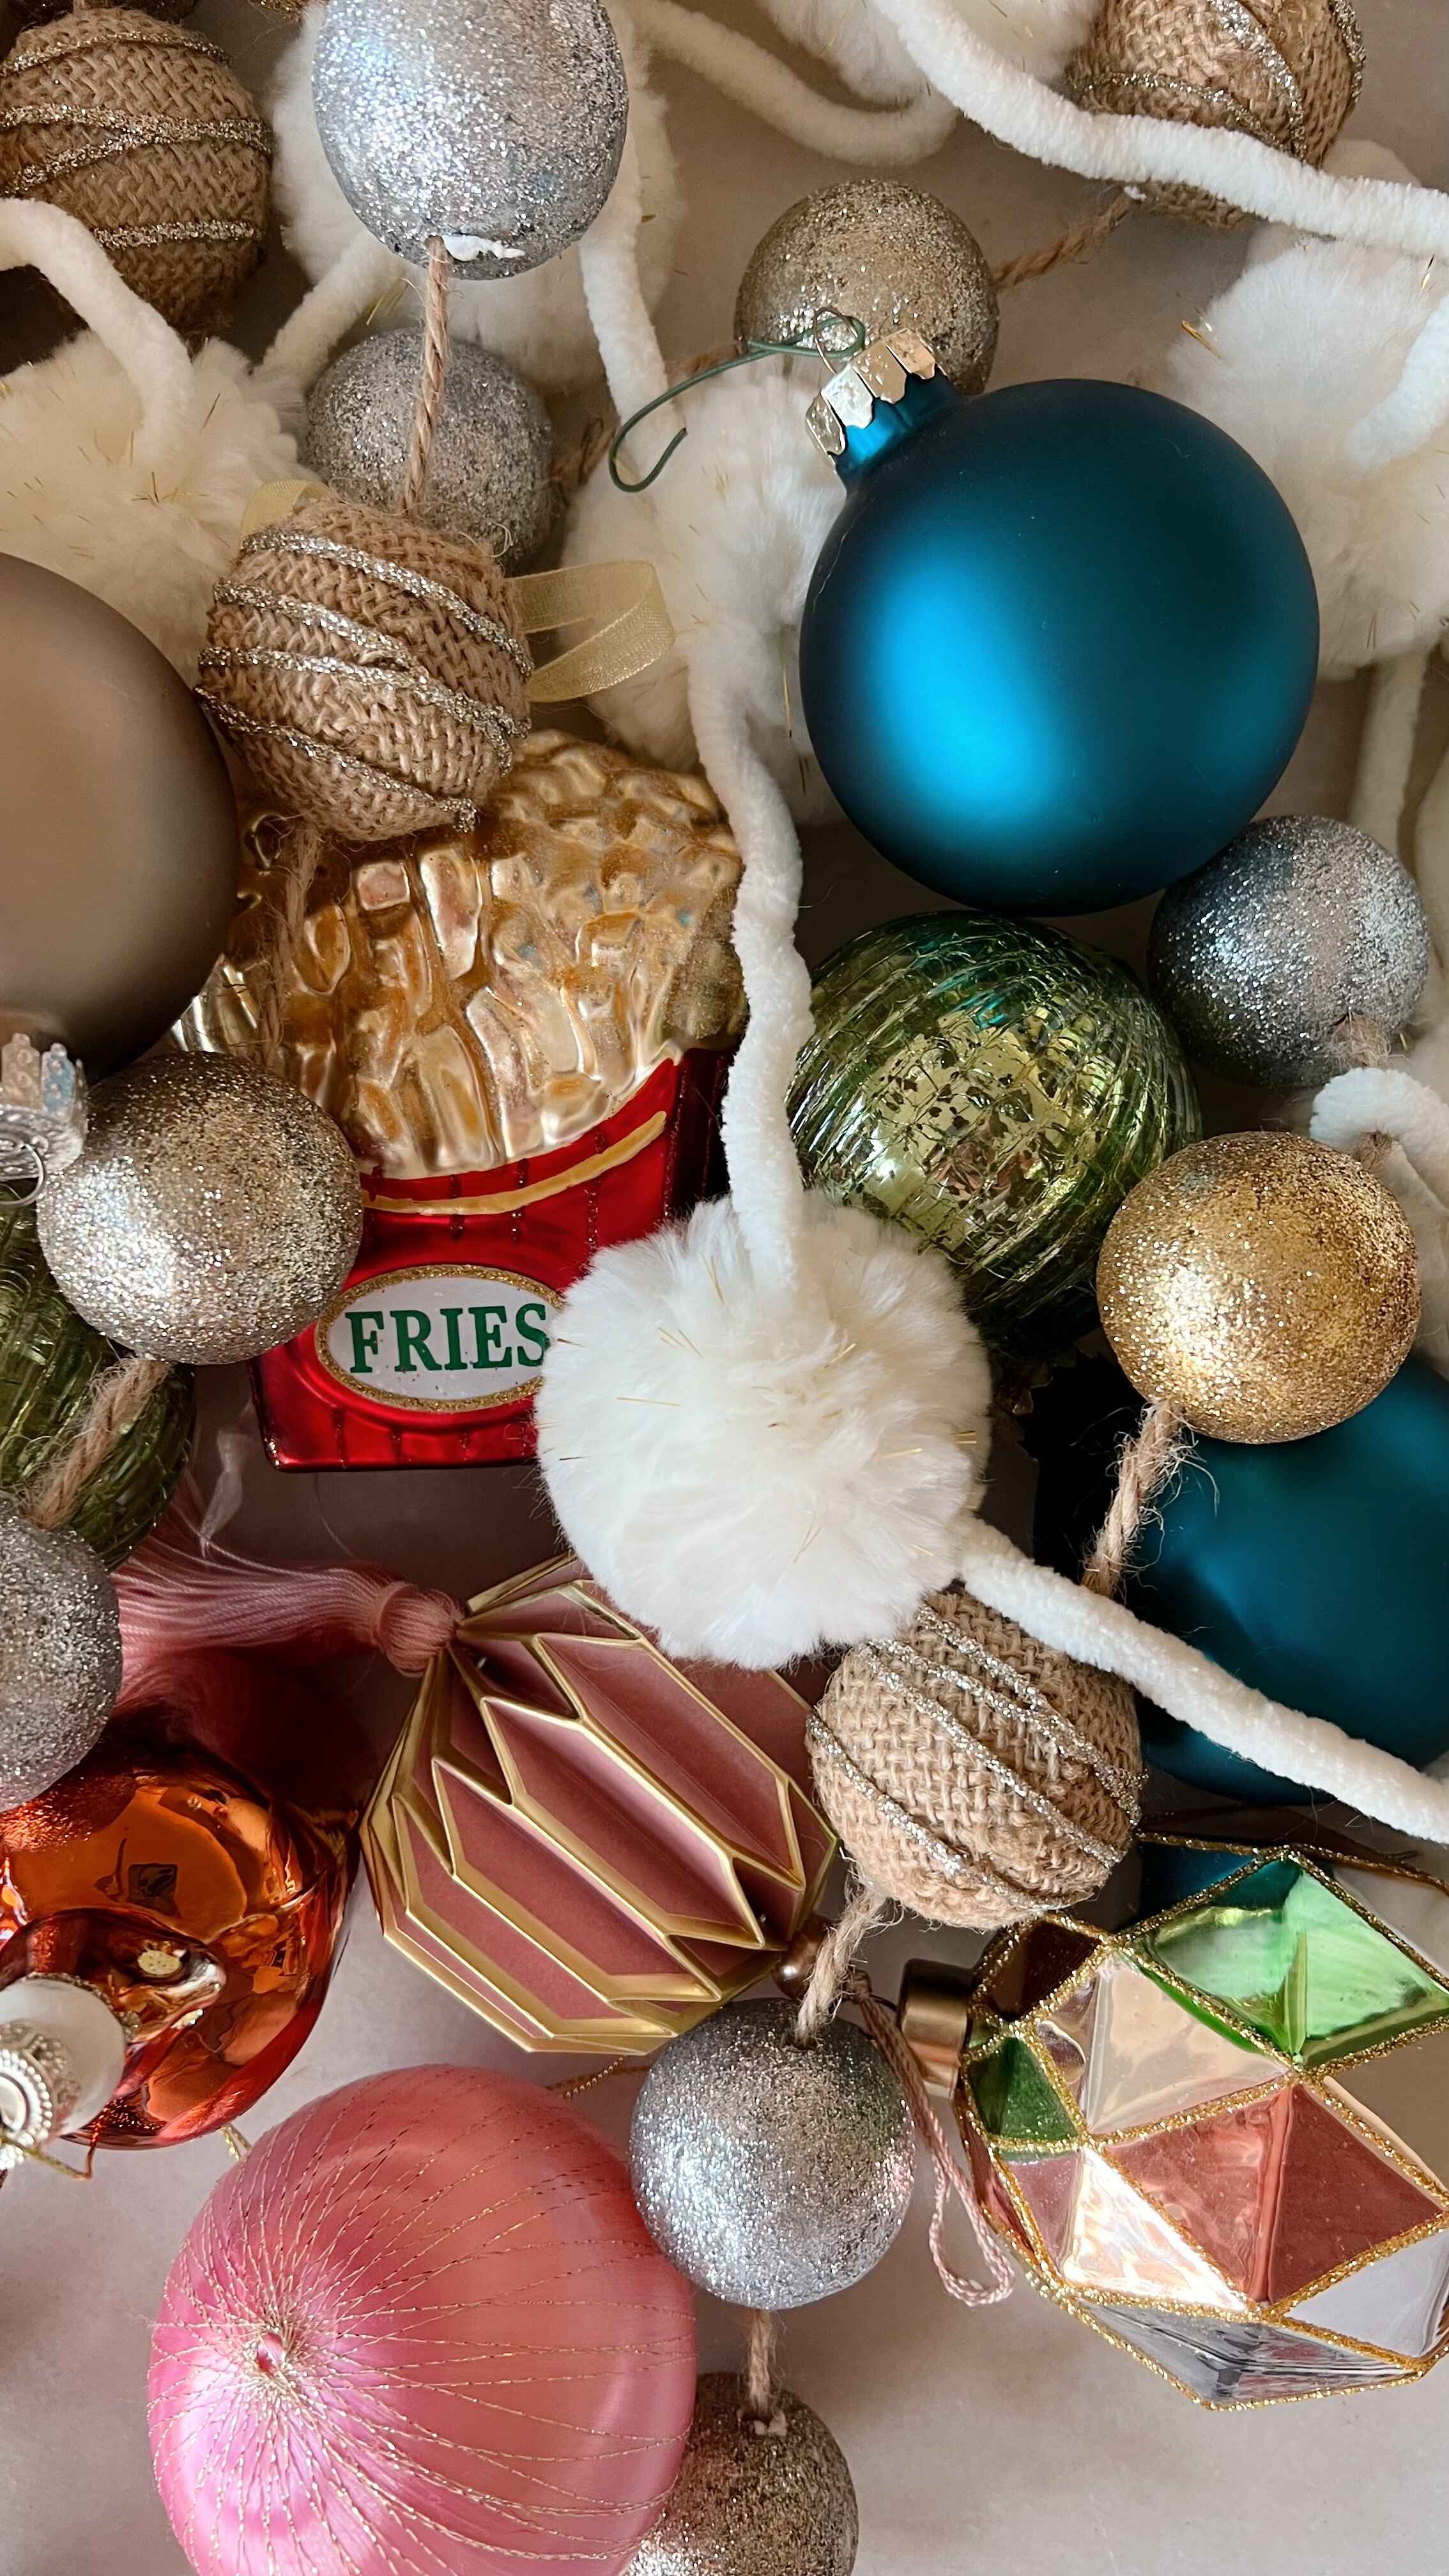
{"points": [[953, 2181], [749, 356]]}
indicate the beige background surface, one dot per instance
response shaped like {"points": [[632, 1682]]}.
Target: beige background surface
{"points": [[1012, 2440]]}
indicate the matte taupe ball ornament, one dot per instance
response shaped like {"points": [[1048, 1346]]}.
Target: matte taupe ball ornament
{"points": [[495, 126], [121, 844]]}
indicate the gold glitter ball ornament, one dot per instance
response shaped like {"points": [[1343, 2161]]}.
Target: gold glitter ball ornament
{"points": [[747, 2503], [973, 1774], [212, 1214], [886, 256], [463, 999], [1261, 1286], [142, 130], [1285, 71], [371, 672]]}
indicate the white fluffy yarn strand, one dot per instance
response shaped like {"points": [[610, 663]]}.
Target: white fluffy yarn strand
{"points": [[1182, 1681]]}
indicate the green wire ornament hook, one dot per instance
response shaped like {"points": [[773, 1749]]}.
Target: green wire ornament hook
{"points": [[831, 355]]}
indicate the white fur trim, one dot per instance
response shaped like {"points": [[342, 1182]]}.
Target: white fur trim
{"points": [[1182, 1681], [538, 322], [125, 464], [1301, 351], [733, 528], [750, 1482]]}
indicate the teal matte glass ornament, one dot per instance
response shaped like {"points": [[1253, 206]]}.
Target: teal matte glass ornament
{"points": [[1061, 640], [1316, 1570]]}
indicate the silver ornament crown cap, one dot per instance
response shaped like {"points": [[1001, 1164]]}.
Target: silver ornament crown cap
{"points": [[878, 373], [42, 1114], [39, 2088]]}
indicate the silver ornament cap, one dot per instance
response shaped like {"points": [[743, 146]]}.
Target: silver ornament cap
{"points": [[494, 125], [213, 1214], [62, 2055], [1300, 925], [490, 474], [770, 2173], [754, 2502], [60, 1653], [892, 258]]}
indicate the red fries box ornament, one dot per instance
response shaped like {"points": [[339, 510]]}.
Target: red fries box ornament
{"points": [[590, 1844], [522, 1031]]}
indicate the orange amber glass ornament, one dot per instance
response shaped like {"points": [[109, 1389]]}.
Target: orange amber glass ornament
{"points": [[205, 1915]]}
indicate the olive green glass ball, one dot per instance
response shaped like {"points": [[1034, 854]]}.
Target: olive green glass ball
{"points": [[996, 1089], [49, 1361]]}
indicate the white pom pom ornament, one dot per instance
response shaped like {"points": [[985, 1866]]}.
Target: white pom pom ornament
{"points": [[125, 464], [1293, 360], [757, 1472]]}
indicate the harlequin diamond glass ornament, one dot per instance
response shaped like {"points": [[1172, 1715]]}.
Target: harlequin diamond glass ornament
{"points": [[590, 1844], [1221, 2136]]}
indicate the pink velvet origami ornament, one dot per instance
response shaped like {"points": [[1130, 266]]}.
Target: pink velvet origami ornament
{"points": [[420, 2331]]}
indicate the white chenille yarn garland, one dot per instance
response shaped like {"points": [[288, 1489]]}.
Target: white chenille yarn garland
{"points": [[862, 46], [733, 528], [125, 463], [1292, 359], [539, 321]]}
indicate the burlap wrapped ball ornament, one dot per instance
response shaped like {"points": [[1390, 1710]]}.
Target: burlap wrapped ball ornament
{"points": [[143, 131], [371, 672], [1285, 71], [974, 1775], [34, 13]]}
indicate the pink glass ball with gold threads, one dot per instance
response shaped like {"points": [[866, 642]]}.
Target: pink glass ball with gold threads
{"points": [[420, 2328]]}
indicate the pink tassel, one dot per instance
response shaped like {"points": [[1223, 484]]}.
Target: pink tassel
{"points": [[176, 1601]]}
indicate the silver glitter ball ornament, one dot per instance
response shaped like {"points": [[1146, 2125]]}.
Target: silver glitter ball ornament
{"points": [[213, 1213], [495, 124], [752, 2503], [1299, 925], [770, 2173], [884, 255], [60, 1653], [490, 476]]}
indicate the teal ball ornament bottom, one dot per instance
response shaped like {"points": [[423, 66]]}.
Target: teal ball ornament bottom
{"points": [[1058, 646], [1315, 1570]]}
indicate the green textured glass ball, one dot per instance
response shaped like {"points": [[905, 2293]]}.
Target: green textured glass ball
{"points": [[49, 1360], [997, 1089]]}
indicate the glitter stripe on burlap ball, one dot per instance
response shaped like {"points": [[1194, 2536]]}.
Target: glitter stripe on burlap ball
{"points": [[144, 133], [1285, 71], [371, 672], [974, 1775]]}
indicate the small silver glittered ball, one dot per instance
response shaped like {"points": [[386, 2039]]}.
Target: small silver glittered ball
{"points": [[1299, 925], [752, 2503], [885, 255], [770, 2173], [494, 124], [490, 475], [60, 1653], [213, 1213]]}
